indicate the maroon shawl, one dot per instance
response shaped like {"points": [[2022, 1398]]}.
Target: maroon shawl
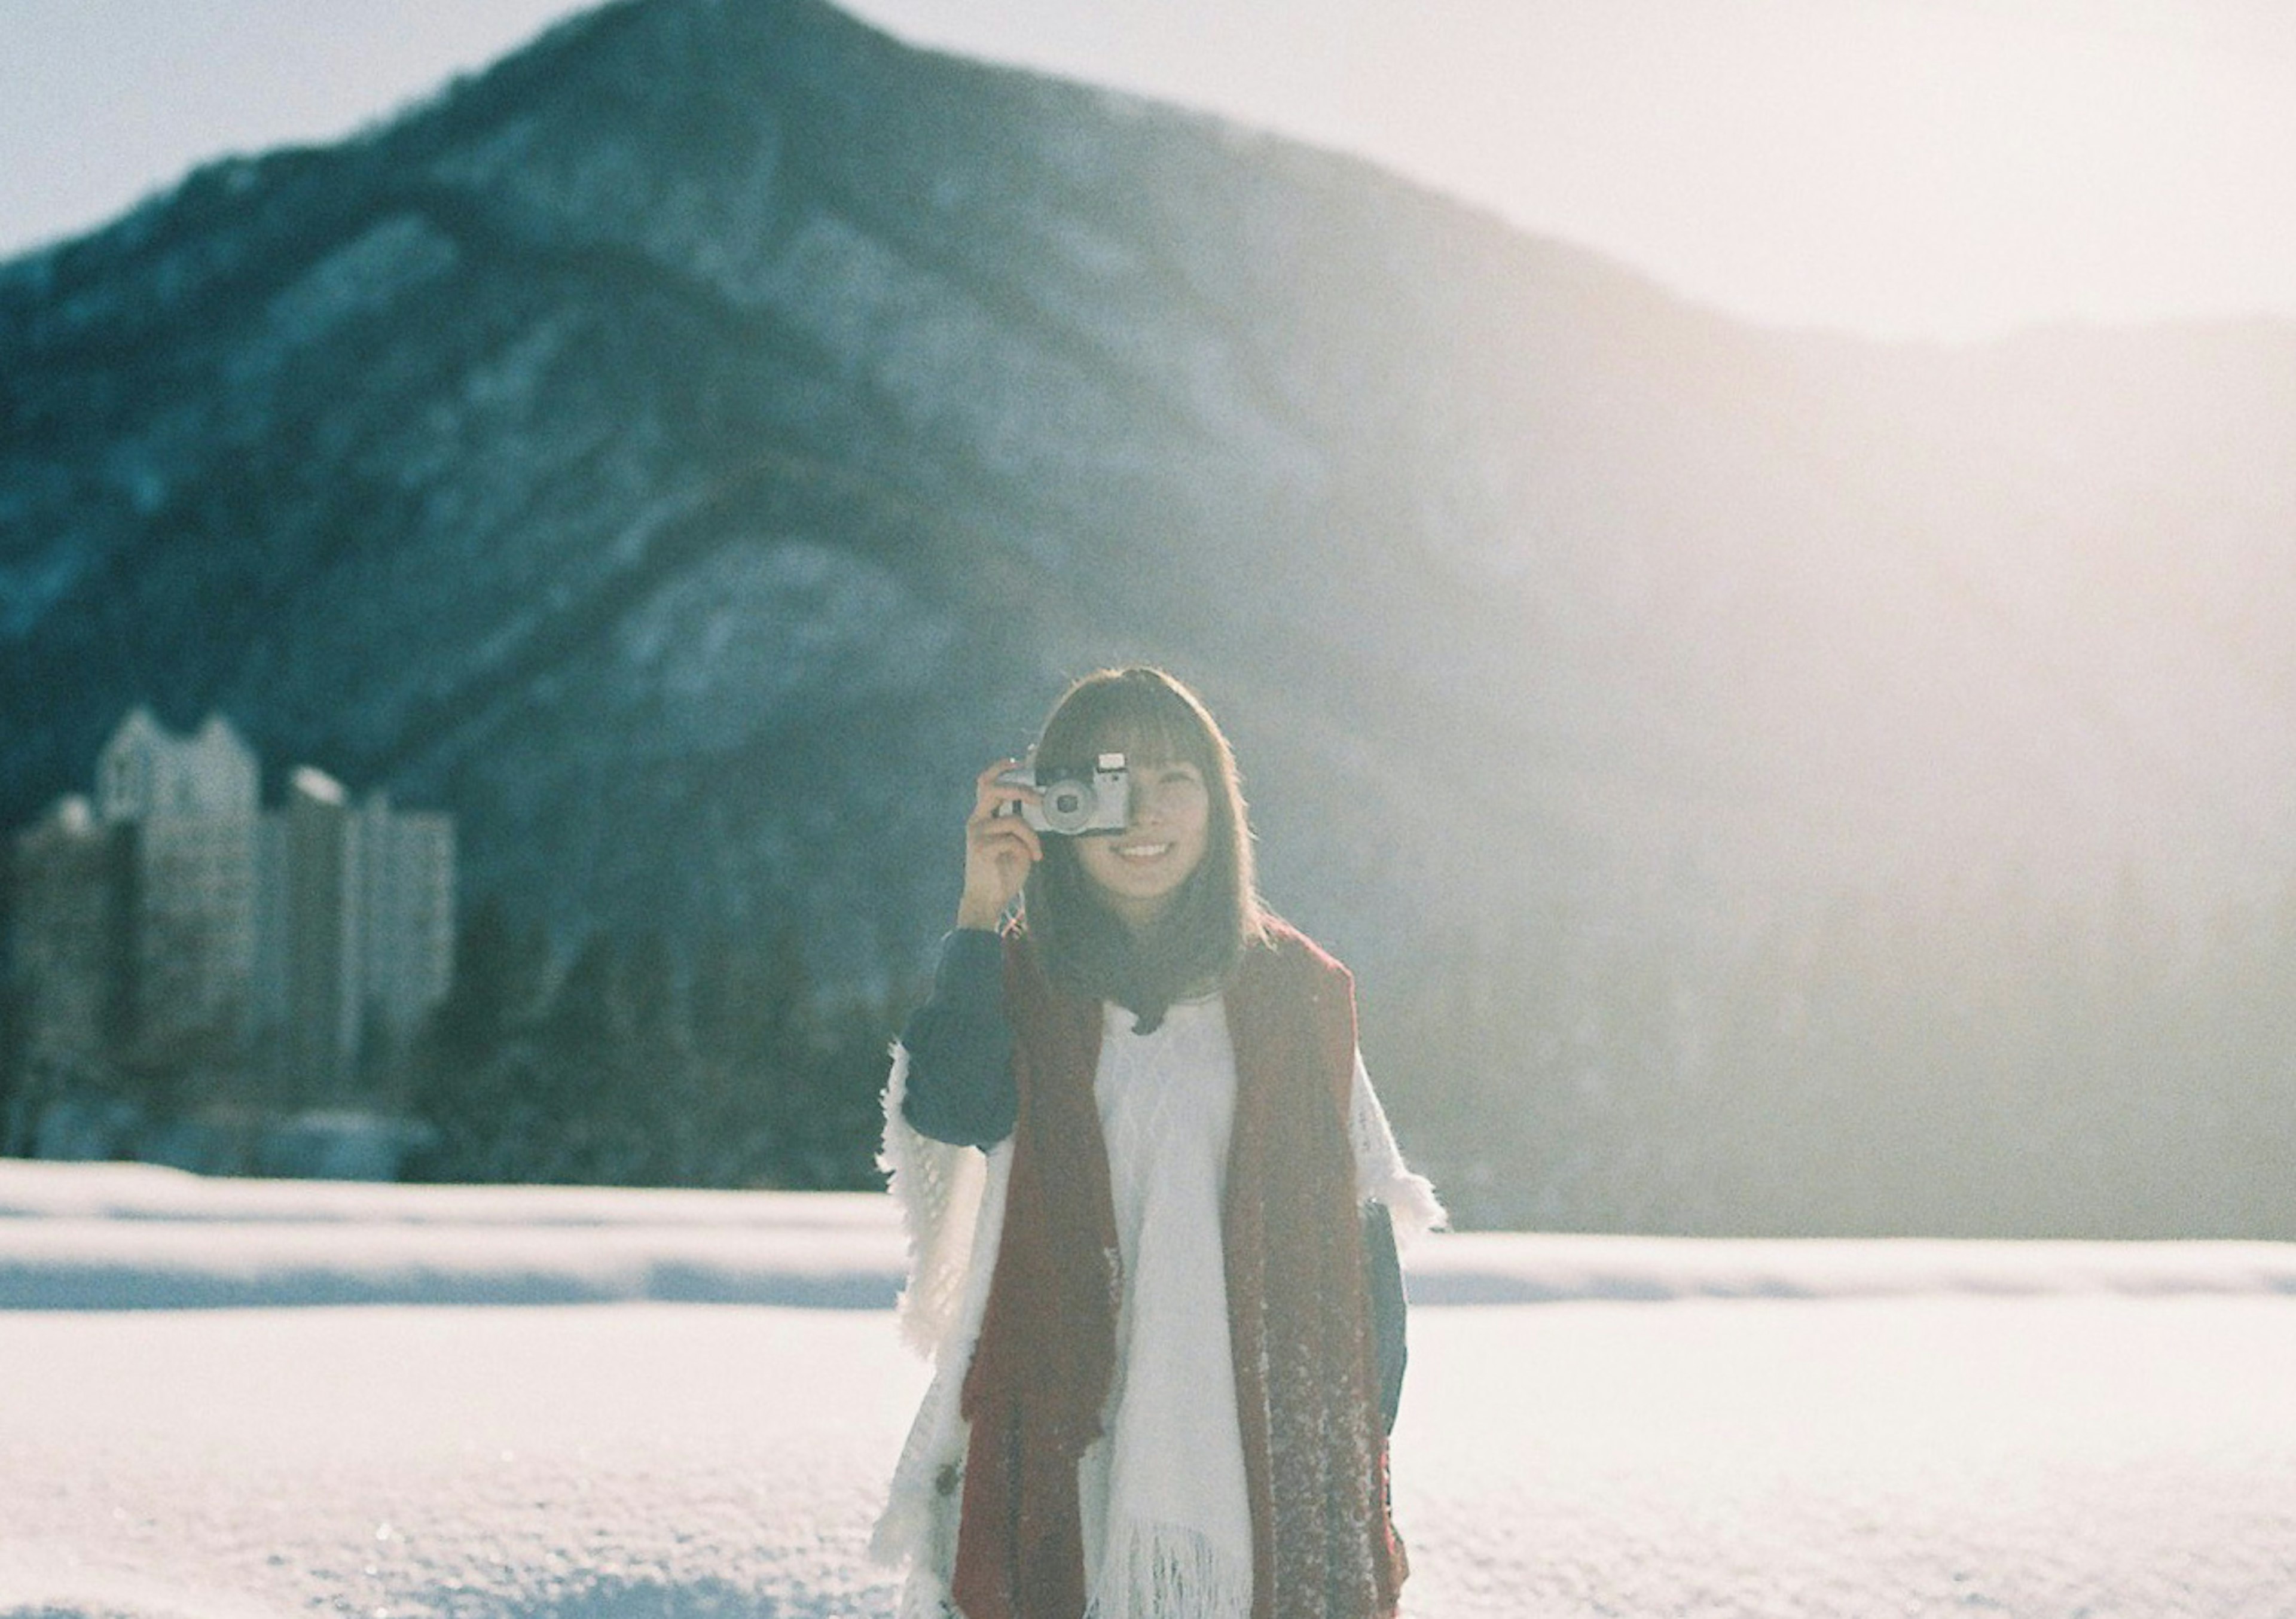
{"points": [[1299, 1310]]}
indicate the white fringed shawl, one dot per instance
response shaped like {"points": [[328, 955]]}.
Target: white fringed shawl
{"points": [[952, 1201]]}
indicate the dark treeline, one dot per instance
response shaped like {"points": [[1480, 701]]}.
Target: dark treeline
{"points": [[634, 1064], [719, 1062], [1974, 1068]]}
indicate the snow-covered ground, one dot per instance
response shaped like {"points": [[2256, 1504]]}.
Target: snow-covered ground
{"points": [[693, 1406]]}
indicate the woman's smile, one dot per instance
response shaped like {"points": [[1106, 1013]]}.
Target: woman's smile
{"points": [[1138, 870]]}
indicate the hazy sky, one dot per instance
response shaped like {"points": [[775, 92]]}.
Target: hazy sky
{"points": [[1896, 167]]}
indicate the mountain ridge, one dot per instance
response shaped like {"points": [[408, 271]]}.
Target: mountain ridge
{"points": [[685, 447]]}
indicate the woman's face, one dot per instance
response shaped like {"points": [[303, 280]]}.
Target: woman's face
{"points": [[1138, 870]]}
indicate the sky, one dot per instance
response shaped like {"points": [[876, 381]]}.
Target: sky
{"points": [[1897, 167]]}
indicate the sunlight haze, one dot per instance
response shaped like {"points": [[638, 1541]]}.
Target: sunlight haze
{"points": [[1947, 168]]}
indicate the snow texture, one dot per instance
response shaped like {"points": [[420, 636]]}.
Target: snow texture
{"points": [[696, 1411]]}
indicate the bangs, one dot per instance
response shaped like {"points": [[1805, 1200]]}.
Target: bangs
{"points": [[1146, 721], [1153, 720]]}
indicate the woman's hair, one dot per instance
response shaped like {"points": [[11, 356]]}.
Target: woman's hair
{"points": [[1151, 719]]}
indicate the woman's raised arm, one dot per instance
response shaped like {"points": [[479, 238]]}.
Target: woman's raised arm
{"points": [[959, 1084]]}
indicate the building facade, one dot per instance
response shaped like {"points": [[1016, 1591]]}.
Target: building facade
{"points": [[188, 809], [72, 936], [171, 921]]}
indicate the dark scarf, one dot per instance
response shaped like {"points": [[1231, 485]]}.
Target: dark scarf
{"points": [[1298, 1313]]}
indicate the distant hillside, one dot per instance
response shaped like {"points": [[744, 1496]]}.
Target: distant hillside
{"points": [[689, 449], [685, 448]]}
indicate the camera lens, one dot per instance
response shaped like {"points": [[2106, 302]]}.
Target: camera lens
{"points": [[1068, 806]]}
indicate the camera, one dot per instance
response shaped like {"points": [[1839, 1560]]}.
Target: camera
{"points": [[1072, 805]]}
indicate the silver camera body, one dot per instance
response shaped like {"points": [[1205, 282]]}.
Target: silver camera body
{"points": [[1072, 806]]}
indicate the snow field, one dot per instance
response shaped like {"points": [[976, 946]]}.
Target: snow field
{"points": [[395, 1462], [2056, 1457], [1836, 1430]]}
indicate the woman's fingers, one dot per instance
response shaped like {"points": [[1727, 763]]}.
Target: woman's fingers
{"points": [[998, 836], [991, 794], [993, 806], [999, 846]]}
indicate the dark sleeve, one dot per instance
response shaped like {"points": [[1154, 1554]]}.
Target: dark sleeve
{"points": [[1387, 1308], [960, 1047]]}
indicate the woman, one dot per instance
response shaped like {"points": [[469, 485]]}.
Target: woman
{"points": [[1164, 1306]]}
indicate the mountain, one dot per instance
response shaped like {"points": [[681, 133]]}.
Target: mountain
{"points": [[688, 449]]}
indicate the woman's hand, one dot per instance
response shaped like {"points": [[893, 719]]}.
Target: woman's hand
{"points": [[999, 849]]}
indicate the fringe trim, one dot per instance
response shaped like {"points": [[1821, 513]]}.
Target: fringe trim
{"points": [[925, 1596], [1161, 1571], [1412, 1204], [938, 1189], [952, 1202], [1382, 1176]]}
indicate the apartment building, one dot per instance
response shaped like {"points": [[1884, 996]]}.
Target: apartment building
{"points": [[170, 917]]}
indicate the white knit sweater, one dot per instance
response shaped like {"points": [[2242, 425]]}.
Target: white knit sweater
{"points": [[1165, 1518]]}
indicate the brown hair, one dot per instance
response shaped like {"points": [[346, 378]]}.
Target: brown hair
{"points": [[1150, 718]]}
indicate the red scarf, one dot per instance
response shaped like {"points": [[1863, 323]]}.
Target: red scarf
{"points": [[1298, 1309]]}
